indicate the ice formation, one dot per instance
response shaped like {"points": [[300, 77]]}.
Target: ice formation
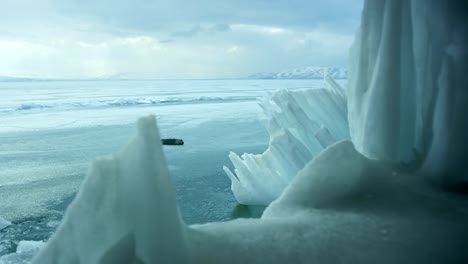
{"points": [[407, 103], [408, 93], [125, 209], [125, 212], [301, 124]]}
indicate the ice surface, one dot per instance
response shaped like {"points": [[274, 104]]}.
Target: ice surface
{"points": [[120, 102], [31, 106], [74, 104], [301, 124], [3, 223], [407, 91]]}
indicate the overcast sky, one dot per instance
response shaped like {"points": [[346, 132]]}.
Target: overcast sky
{"points": [[172, 38]]}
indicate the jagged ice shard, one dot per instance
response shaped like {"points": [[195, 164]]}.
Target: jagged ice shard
{"points": [[301, 123], [408, 101], [341, 207], [125, 209]]}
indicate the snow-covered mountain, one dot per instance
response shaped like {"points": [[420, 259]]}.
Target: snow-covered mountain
{"points": [[304, 73]]}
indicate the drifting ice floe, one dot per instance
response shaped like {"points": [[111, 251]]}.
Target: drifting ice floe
{"points": [[301, 124]]}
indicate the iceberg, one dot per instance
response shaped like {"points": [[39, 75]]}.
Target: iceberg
{"points": [[301, 124]]}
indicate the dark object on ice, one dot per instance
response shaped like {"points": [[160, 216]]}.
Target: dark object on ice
{"points": [[172, 141], [247, 211]]}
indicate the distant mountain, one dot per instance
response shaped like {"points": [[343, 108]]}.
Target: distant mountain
{"points": [[304, 73]]}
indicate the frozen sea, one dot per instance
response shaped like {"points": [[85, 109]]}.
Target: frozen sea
{"points": [[50, 131]]}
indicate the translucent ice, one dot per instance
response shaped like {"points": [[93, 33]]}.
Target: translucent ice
{"points": [[301, 124], [408, 91], [124, 210]]}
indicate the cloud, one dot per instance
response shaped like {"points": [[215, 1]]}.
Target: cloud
{"points": [[233, 49], [169, 40], [172, 38], [258, 29], [143, 15], [202, 28]]}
